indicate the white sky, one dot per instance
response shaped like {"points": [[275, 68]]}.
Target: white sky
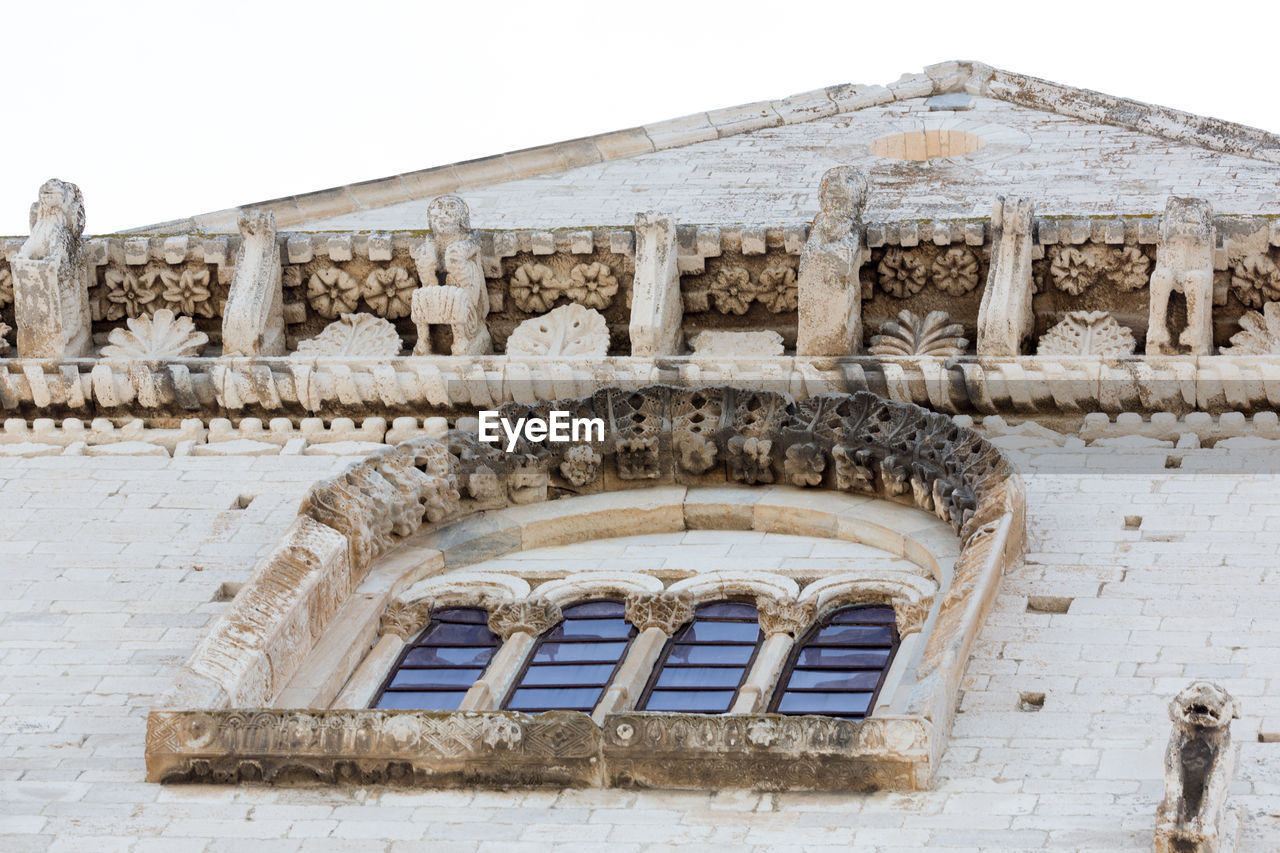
{"points": [[160, 110]]}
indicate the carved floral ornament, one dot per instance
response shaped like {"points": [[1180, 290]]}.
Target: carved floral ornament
{"points": [[536, 287], [732, 289], [132, 291], [386, 290], [1075, 269]]}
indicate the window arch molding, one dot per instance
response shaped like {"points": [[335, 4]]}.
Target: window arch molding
{"points": [[857, 447]]}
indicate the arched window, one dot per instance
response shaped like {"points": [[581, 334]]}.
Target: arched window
{"points": [[705, 663], [435, 671], [574, 661], [838, 667]]}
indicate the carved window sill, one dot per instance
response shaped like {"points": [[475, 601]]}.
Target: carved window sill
{"points": [[558, 748]]}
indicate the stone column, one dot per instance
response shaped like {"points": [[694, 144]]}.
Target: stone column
{"points": [[519, 624], [828, 286], [365, 681], [50, 278], [253, 321], [1005, 318], [657, 617], [782, 622], [656, 311]]}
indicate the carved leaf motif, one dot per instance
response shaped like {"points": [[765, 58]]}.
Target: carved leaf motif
{"points": [[955, 271], [804, 464], [1087, 333], [357, 335], [902, 274], [533, 616], [1256, 280], [1259, 333], [534, 288], [388, 291], [785, 616], [570, 330], [332, 291], [933, 335], [4, 338], [155, 338], [581, 465], [592, 285], [668, 611], [6, 287], [1072, 270]]}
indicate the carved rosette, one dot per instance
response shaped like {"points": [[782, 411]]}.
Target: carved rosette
{"points": [[404, 620], [1073, 271], [804, 464], [532, 616], [666, 610], [785, 615], [901, 273], [581, 465], [1256, 280]]}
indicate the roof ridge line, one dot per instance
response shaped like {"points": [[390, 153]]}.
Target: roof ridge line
{"points": [[976, 78]]}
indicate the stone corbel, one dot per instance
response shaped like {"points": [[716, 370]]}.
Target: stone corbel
{"points": [[829, 292], [1197, 771], [50, 278], [253, 321], [656, 311], [1184, 264], [1005, 318]]}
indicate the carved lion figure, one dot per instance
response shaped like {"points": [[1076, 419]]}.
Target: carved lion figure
{"points": [[57, 221]]}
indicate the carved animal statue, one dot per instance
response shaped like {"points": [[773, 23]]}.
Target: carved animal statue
{"points": [[57, 221], [1197, 770], [1184, 264]]}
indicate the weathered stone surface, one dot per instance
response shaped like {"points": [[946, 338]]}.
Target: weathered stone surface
{"points": [[1184, 264], [1005, 317], [830, 297], [1197, 771], [253, 321], [570, 331], [49, 277]]}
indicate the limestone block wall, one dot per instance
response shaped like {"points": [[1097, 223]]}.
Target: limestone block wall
{"points": [[1138, 578]]}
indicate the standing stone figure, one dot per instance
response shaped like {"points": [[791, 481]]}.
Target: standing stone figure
{"points": [[830, 294], [1197, 770], [462, 301], [50, 277], [1184, 264]]}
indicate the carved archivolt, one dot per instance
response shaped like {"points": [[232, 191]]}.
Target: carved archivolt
{"points": [[869, 445]]}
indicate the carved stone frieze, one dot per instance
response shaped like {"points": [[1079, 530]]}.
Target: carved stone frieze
{"points": [[785, 616], [668, 611], [532, 616]]}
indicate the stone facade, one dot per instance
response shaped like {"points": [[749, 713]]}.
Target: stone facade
{"points": [[1028, 404]]}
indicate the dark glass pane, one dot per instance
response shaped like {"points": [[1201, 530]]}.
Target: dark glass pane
{"points": [[825, 703], [575, 652], [834, 679], [854, 615], [421, 701], [673, 676], [721, 632], [691, 701], [604, 629], [567, 674], [595, 608], [727, 610], [861, 634], [542, 698], [455, 634], [711, 654], [466, 656], [842, 658], [455, 678], [462, 614]]}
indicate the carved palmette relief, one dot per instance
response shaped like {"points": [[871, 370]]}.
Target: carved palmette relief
{"points": [[1094, 333], [668, 611]]}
